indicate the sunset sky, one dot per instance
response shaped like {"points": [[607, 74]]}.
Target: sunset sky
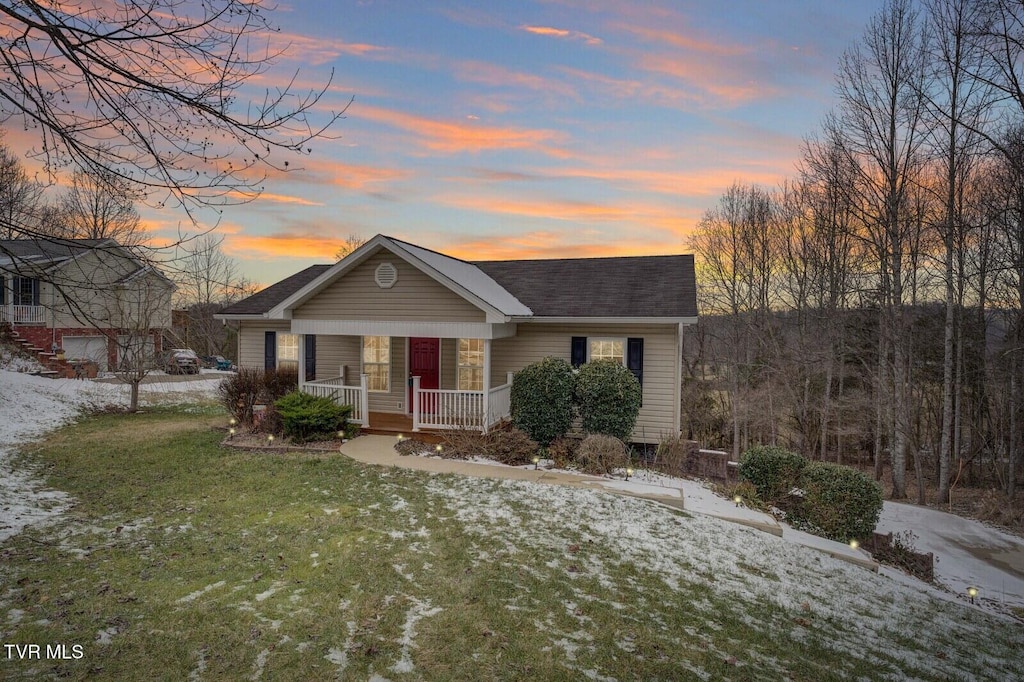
{"points": [[559, 128]]}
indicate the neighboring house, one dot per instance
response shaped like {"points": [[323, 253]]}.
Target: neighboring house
{"points": [[398, 330], [90, 297]]}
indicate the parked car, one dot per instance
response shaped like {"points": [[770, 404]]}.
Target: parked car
{"points": [[181, 361], [223, 364]]}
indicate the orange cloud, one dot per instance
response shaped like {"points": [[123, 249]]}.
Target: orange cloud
{"points": [[463, 136], [541, 244], [498, 76], [562, 33], [317, 51], [276, 198], [282, 245]]}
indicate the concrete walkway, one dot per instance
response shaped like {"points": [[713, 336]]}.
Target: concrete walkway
{"points": [[380, 450]]}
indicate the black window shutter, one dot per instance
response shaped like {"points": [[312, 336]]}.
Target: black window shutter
{"points": [[635, 358], [579, 351], [35, 292], [3, 289], [270, 350], [310, 357]]}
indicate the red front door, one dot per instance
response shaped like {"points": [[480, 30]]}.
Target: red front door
{"points": [[425, 363]]}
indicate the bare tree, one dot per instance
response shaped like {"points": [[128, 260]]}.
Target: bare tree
{"points": [[100, 206], [351, 243], [21, 197], [150, 92], [207, 279], [880, 85]]}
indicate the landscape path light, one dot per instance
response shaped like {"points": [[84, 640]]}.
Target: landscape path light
{"points": [[629, 472], [972, 592]]}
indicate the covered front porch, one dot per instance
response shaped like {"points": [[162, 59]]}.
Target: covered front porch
{"points": [[408, 383]]}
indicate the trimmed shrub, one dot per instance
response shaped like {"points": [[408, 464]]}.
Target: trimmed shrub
{"points": [[511, 446], [842, 503], [562, 451], [774, 471], [277, 383], [542, 399], [462, 444], [307, 417], [240, 392], [608, 397], [601, 454]]}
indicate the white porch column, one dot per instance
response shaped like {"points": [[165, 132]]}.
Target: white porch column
{"points": [[485, 421], [415, 403], [364, 399]]}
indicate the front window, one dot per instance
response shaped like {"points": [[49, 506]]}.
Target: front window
{"points": [[471, 364], [26, 291], [608, 349], [377, 362], [288, 351]]}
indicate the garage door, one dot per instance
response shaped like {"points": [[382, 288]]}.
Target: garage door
{"points": [[87, 348]]}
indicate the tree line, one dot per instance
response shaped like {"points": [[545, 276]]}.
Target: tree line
{"points": [[871, 306]]}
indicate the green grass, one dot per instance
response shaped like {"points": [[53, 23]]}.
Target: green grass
{"points": [[180, 557]]}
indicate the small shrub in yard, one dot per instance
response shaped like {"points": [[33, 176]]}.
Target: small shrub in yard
{"points": [[412, 446], [462, 444], [307, 417], [601, 454], [511, 446], [269, 421], [240, 392], [608, 396], [774, 471], [843, 503], [277, 383], [542, 399], [562, 451]]}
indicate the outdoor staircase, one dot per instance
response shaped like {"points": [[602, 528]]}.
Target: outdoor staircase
{"points": [[53, 367]]}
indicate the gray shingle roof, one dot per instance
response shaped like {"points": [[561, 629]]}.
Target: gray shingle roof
{"points": [[48, 250], [640, 286], [262, 302]]}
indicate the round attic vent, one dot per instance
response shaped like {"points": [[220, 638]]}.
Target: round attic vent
{"points": [[386, 275]]}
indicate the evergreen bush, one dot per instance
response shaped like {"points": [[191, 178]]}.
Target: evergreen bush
{"points": [[774, 471], [608, 397], [840, 503], [542, 399], [307, 417]]}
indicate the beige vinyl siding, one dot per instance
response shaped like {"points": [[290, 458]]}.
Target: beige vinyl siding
{"points": [[449, 363], [335, 352], [394, 400], [534, 341], [95, 300], [251, 337], [414, 297]]}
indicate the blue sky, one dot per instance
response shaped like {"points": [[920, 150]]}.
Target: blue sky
{"points": [[537, 129]]}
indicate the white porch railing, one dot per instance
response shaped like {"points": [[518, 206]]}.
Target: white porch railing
{"points": [[434, 408], [23, 314], [335, 388]]}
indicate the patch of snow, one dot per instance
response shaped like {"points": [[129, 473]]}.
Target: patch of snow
{"points": [[198, 593], [31, 406], [261, 662], [418, 611]]}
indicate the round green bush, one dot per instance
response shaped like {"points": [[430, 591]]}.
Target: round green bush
{"points": [[608, 396], [839, 502], [307, 417], [774, 471], [542, 399]]}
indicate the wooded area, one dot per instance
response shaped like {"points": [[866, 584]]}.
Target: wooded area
{"points": [[871, 307]]}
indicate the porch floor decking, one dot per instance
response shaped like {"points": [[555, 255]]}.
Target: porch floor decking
{"points": [[392, 424]]}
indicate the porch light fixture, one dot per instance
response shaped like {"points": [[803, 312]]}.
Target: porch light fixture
{"points": [[536, 462], [629, 472], [972, 592]]}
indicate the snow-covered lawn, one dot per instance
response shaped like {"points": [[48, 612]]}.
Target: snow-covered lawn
{"points": [[31, 406], [968, 553]]}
